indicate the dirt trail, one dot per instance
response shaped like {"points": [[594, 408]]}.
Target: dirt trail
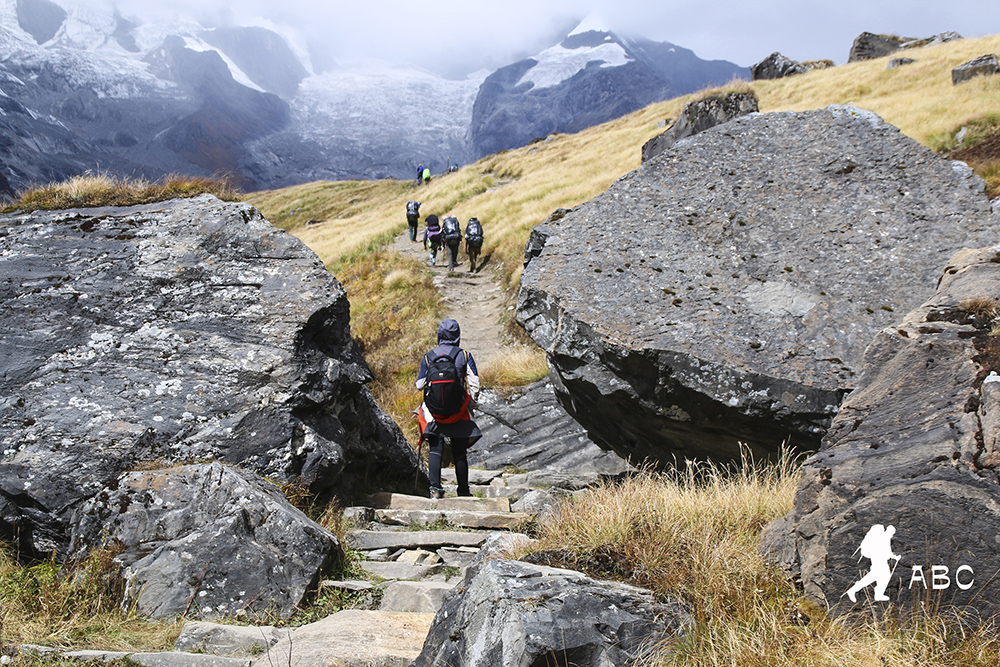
{"points": [[472, 299]]}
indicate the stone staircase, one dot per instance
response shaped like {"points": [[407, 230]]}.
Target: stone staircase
{"points": [[413, 549]]}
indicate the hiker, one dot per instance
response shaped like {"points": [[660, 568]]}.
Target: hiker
{"points": [[473, 241], [450, 382], [427, 175], [451, 230], [412, 218], [432, 237], [420, 174]]}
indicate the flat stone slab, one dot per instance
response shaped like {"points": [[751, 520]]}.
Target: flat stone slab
{"points": [[226, 640], [366, 540], [486, 520], [353, 638], [424, 597], [178, 659], [399, 501], [476, 476], [405, 571]]}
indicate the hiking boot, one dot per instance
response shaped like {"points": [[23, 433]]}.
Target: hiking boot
{"points": [[436, 494]]}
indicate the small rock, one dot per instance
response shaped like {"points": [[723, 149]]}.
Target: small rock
{"points": [[982, 66]]}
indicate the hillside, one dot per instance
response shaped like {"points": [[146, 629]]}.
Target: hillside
{"points": [[514, 190]]}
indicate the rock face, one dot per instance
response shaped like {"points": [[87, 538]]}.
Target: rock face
{"points": [[868, 46], [533, 431], [916, 447], [725, 291], [700, 115], [512, 613], [179, 331], [776, 66], [207, 540], [982, 66]]}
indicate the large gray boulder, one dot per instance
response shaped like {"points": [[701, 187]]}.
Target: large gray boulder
{"points": [[207, 541], [776, 66], [915, 447], [178, 331], [982, 66], [868, 46], [700, 115], [725, 291], [530, 430], [511, 614]]}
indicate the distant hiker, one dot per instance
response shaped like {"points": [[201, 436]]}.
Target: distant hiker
{"points": [[877, 547], [473, 241], [450, 382], [451, 229], [427, 175], [413, 217], [432, 237], [420, 174]]}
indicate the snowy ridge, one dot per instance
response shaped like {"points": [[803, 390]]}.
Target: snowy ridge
{"points": [[558, 63]]}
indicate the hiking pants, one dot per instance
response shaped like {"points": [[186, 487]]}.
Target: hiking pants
{"points": [[412, 221], [458, 455], [453, 254]]}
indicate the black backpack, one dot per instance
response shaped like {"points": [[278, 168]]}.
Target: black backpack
{"points": [[474, 233], [444, 391], [412, 208], [452, 229]]}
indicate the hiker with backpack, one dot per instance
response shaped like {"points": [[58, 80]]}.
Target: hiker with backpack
{"points": [[473, 241], [427, 175], [412, 218], [451, 230], [420, 175], [432, 238], [450, 382]]}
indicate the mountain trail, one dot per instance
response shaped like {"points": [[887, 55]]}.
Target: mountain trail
{"points": [[471, 298]]}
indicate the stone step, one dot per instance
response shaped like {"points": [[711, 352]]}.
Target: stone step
{"points": [[491, 491], [367, 540], [405, 571], [476, 476], [483, 520], [399, 501], [422, 597], [352, 638]]}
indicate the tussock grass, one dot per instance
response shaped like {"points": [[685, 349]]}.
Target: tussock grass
{"points": [[395, 311], [93, 190], [79, 608], [514, 367]]}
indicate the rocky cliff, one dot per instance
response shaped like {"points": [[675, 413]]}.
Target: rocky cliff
{"points": [[187, 330], [914, 450], [726, 290]]}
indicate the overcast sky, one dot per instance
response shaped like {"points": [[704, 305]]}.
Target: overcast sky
{"points": [[463, 35]]}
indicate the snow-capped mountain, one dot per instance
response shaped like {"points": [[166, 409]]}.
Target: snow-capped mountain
{"points": [[589, 78], [84, 88]]}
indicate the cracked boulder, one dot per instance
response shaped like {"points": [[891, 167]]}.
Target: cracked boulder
{"points": [[725, 291], [511, 614], [186, 330], [916, 446], [207, 541]]}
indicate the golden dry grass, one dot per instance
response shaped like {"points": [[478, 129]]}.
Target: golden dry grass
{"points": [[92, 190], [79, 609], [514, 367]]}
